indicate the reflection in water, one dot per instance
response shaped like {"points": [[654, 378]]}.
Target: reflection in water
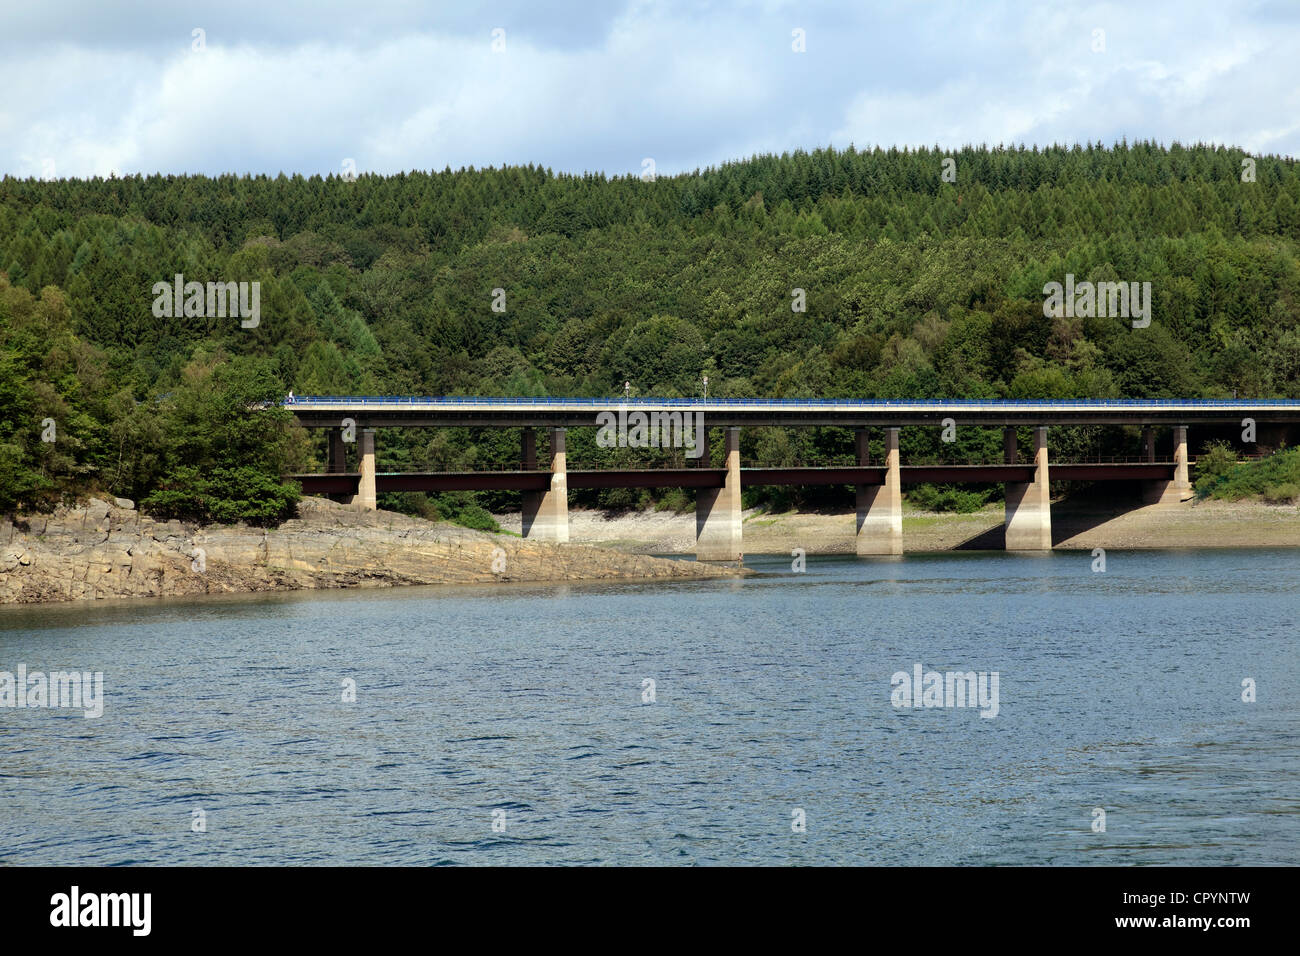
{"points": [[508, 724]]}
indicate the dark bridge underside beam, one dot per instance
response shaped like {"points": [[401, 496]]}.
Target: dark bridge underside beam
{"points": [[715, 477]]}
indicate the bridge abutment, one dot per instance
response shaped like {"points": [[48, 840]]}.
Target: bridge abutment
{"points": [[546, 513], [717, 511], [1029, 505], [880, 507]]}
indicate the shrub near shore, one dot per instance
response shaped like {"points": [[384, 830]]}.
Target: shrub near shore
{"points": [[1275, 479]]}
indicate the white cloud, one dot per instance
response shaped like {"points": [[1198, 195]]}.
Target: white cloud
{"points": [[691, 86]]}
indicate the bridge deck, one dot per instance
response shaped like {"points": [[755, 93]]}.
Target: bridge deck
{"points": [[372, 411]]}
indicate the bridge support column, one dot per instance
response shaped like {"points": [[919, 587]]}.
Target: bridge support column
{"points": [[1009, 449], [338, 453], [717, 511], [336, 460], [703, 461], [1148, 444], [546, 513], [1182, 475], [880, 507], [1029, 506], [365, 498], [528, 449], [1180, 489]]}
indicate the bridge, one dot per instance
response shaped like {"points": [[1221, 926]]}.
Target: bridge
{"points": [[718, 506]]}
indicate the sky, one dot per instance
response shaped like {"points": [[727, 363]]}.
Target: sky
{"points": [[93, 88]]}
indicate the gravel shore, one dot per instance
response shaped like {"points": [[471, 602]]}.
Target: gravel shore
{"points": [[1078, 526]]}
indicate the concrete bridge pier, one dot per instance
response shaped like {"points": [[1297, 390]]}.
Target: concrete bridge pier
{"points": [[366, 498], [862, 442], [1180, 489], [1029, 506], [336, 460], [880, 507], [1009, 449], [717, 511], [338, 452], [703, 461], [546, 513]]}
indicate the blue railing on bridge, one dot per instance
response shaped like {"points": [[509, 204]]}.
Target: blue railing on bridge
{"points": [[308, 401]]}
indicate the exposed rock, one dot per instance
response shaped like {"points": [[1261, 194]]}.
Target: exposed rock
{"points": [[97, 510], [105, 551]]}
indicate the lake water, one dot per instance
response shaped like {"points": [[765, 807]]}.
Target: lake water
{"points": [[523, 707]]}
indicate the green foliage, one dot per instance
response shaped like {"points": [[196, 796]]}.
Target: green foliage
{"points": [[458, 507], [470, 516], [929, 497], [53, 395], [1213, 465], [774, 499], [226, 496], [1287, 493], [19, 482], [1276, 478], [225, 449], [677, 500]]}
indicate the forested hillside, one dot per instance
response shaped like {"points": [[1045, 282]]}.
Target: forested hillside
{"points": [[914, 287]]}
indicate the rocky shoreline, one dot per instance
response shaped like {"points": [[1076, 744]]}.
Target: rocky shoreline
{"points": [[110, 550]]}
